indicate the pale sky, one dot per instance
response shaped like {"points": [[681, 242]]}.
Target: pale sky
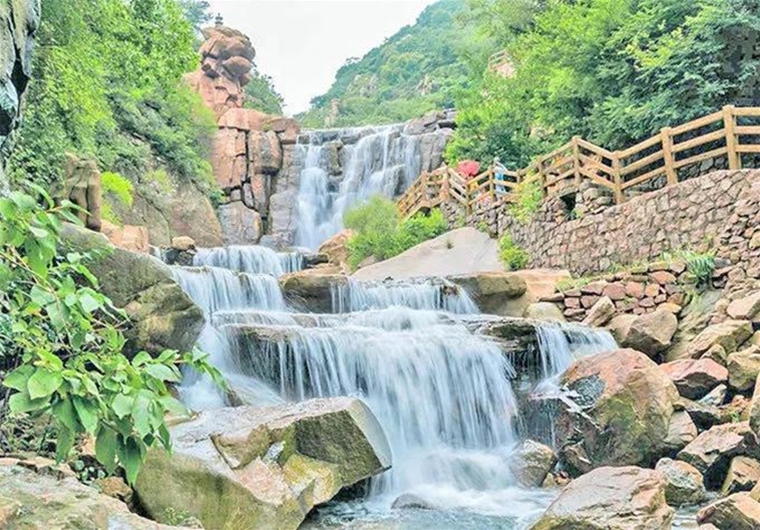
{"points": [[302, 43]]}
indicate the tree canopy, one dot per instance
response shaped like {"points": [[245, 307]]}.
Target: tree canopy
{"points": [[416, 70], [612, 71]]}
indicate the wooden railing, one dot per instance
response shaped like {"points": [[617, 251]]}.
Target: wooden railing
{"points": [[663, 160]]}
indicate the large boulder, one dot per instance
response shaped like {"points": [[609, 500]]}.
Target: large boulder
{"points": [[684, 483], [161, 315], [492, 291], [312, 289], [623, 405], [695, 378], [743, 369], [730, 335], [241, 225], [44, 501], [651, 333], [263, 468], [736, 512], [611, 498], [712, 451]]}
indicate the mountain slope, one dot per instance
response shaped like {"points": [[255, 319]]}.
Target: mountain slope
{"points": [[416, 70]]}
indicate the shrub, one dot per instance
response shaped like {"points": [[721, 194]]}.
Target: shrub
{"points": [[528, 199], [379, 231], [61, 347], [513, 257], [116, 185]]}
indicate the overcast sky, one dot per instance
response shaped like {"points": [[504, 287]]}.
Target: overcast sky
{"points": [[302, 43]]}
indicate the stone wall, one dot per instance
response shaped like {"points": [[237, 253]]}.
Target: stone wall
{"points": [[18, 22], [637, 291], [691, 215]]}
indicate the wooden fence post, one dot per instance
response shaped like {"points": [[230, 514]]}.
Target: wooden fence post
{"points": [[617, 166], [667, 152], [729, 123], [577, 161]]}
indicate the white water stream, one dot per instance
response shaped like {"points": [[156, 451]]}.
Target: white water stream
{"points": [[443, 394], [383, 161]]}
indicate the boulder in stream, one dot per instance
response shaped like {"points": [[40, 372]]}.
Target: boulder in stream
{"points": [[611, 498], [263, 468], [311, 289]]}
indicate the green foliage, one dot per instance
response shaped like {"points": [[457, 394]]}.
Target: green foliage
{"points": [[379, 232], [612, 71], [61, 348], [700, 266], [260, 94], [528, 200], [107, 84], [414, 71], [513, 257], [116, 185]]}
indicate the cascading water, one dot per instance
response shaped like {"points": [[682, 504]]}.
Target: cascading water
{"points": [[384, 161], [443, 394]]}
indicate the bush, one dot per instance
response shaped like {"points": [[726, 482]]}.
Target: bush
{"points": [[379, 231], [528, 199], [61, 347], [513, 257]]}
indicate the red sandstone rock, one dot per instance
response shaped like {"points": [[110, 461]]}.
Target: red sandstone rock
{"points": [[694, 378]]}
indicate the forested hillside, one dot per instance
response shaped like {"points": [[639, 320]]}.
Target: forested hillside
{"points": [[416, 70], [612, 71]]}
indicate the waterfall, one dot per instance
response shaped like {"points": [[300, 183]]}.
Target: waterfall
{"points": [[443, 394], [251, 259], [383, 161], [426, 294]]}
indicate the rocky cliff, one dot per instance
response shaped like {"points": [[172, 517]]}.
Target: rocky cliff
{"points": [[19, 20], [250, 146], [283, 187]]}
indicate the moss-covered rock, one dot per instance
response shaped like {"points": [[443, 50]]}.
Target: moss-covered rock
{"points": [[161, 315], [263, 468], [623, 407]]}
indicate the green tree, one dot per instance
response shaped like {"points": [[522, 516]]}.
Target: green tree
{"points": [[613, 71], [107, 84]]}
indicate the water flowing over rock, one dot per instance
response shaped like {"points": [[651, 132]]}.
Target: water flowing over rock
{"points": [[263, 468], [416, 353], [339, 167], [610, 498]]}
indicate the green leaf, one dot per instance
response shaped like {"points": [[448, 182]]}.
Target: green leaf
{"points": [[105, 448], [88, 414], [130, 458], [64, 412], [163, 372], [89, 303], [40, 296], [18, 378], [122, 405], [64, 443], [43, 382], [141, 414], [20, 403]]}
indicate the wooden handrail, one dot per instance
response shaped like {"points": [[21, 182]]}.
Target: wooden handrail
{"points": [[713, 136]]}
